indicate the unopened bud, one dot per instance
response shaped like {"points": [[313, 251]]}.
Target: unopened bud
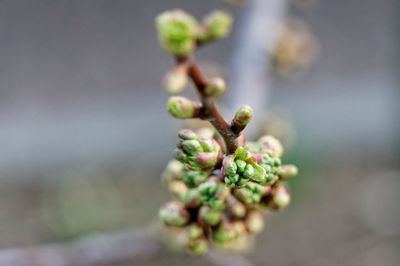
{"points": [[271, 145], [250, 193], [235, 207], [208, 215], [193, 178], [177, 188], [175, 80], [191, 198], [215, 87], [254, 222], [177, 31], [207, 159], [187, 134], [229, 165], [197, 246], [239, 227], [224, 232], [288, 171], [181, 107], [280, 198], [173, 171], [191, 147], [195, 231], [218, 23], [242, 116], [214, 194], [173, 213]]}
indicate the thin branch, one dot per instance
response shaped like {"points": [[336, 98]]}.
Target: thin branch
{"points": [[209, 110]]}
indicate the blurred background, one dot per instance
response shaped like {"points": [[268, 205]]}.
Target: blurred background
{"points": [[84, 132]]}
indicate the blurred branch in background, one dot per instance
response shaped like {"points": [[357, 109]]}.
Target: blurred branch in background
{"points": [[250, 64], [102, 249]]}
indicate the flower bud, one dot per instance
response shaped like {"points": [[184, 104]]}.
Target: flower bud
{"points": [[181, 107], [175, 80], [197, 246], [191, 147], [173, 171], [193, 178], [288, 171], [218, 24], [214, 194], [254, 222], [224, 232], [242, 116], [208, 215], [280, 198], [177, 188], [235, 207], [180, 156], [195, 231], [229, 165], [173, 213], [207, 159], [250, 193], [177, 32], [187, 134], [215, 87], [191, 198], [271, 145]]}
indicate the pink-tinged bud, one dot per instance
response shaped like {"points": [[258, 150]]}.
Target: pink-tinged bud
{"points": [[239, 227], [215, 87], [175, 80], [209, 216], [187, 134], [280, 198], [197, 246], [271, 145], [242, 117], [173, 171], [254, 222], [207, 159], [181, 107], [224, 232], [235, 207], [288, 171], [173, 213], [177, 188], [229, 165], [191, 198]]}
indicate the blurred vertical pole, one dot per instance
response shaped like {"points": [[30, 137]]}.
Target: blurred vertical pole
{"points": [[250, 66]]}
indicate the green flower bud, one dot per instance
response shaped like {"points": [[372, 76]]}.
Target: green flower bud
{"points": [[288, 171], [207, 159], [248, 171], [280, 198], [175, 80], [229, 165], [187, 134], [191, 198], [235, 207], [240, 165], [180, 156], [193, 178], [181, 107], [271, 145], [177, 32], [177, 188], [208, 215], [206, 144], [173, 171], [242, 116], [215, 87], [214, 194], [173, 213], [224, 232], [218, 24], [254, 222], [191, 147], [197, 246], [250, 193], [195, 231]]}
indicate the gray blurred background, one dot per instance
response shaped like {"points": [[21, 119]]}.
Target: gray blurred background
{"points": [[85, 135]]}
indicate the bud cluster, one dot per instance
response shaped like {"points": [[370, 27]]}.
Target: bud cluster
{"points": [[223, 205], [220, 182]]}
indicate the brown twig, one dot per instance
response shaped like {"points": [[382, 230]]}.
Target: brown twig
{"points": [[208, 110]]}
